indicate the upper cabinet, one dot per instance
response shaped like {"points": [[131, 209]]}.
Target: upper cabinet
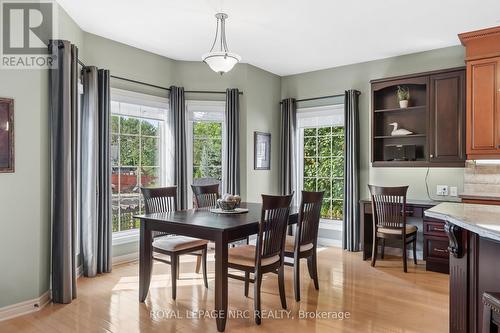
{"points": [[434, 114], [483, 93]]}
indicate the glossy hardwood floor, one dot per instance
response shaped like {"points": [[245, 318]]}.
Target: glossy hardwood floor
{"points": [[380, 299]]}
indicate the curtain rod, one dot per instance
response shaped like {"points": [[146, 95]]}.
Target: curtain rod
{"points": [[316, 98], [160, 87]]}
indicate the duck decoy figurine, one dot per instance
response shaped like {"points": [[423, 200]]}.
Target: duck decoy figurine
{"points": [[401, 131]]}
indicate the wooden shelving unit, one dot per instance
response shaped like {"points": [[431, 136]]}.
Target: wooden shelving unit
{"points": [[434, 115]]}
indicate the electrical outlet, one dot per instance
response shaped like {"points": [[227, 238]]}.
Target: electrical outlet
{"points": [[442, 190], [453, 191]]}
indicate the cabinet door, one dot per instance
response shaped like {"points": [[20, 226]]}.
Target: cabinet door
{"points": [[482, 108], [447, 118]]}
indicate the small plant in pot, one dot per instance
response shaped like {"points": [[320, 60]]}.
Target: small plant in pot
{"points": [[403, 96]]}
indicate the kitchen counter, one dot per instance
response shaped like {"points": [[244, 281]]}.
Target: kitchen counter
{"points": [[474, 259], [483, 220]]}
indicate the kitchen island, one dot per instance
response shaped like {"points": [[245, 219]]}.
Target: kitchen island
{"points": [[474, 249]]}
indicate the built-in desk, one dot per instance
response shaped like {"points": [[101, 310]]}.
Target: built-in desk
{"points": [[432, 242]]}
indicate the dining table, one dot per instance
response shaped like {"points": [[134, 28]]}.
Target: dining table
{"points": [[222, 229]]}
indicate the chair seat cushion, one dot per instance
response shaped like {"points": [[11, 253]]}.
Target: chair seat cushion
{"points": [[177, 243], [245, 256], [290, 245], [409, 229]]}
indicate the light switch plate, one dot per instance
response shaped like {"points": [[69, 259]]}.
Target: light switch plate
{"points": [[442, 190], [453, 191]]}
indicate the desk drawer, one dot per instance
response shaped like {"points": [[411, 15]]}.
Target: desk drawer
{"points": [[434, 227], [436, 247]]}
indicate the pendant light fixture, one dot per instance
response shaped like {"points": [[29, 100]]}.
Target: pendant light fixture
{"points": [[221, 61]]}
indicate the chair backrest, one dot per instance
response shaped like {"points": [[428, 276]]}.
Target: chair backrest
{"points": [[160, 199], [206, 195], [389, 207], [309, 215], [272, 227]]}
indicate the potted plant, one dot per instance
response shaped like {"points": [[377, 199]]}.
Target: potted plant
{"points": [[403, 96]]}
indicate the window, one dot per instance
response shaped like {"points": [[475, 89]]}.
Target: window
{"points": [[138, 153], [321, 156], [205, 142]]}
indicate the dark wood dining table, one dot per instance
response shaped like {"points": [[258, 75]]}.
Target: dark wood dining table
{"points": [[222, 229]]}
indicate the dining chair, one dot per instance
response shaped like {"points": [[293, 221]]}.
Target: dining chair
{"points": [[389, 220], [162, 200], [491, 312], [303, 245], [206, 195], [267, 256]]}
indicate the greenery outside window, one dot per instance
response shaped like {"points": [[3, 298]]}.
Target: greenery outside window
{"points": [[137, 157], [206, 153], [320, 157]]}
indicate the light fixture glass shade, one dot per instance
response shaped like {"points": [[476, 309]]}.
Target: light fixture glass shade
{"points": [[220, 61]]}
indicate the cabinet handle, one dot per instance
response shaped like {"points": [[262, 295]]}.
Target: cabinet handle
{"points": [[440, 250], [437, 229], [431, 156]]}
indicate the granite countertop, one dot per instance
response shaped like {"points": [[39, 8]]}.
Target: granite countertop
{"points": [[483, 220], [482, 196]]}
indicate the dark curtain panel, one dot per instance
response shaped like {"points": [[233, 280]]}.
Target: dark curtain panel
{"points": [[178, 111], [351, 236], [95, 217], [104, 225], [232, 181], [287, 146], [63, 91]]}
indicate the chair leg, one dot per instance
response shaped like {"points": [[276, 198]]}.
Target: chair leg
{"points": [[204, 266], [382, 252], [256, 295], [313, 270], [247, 283], [281, 284], [296, 278], [415, 250], [198, 263], [173, 272], [405, 264], [374, 250]]}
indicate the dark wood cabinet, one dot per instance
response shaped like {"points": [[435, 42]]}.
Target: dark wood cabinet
{"points": [[435, 116], [447, 118], [483, 93], [436, 253]]}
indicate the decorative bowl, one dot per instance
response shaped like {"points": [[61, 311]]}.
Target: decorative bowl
{"points": [[227, 205]]}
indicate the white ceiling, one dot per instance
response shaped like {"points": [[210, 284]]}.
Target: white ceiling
{"points": [[286, 36]]}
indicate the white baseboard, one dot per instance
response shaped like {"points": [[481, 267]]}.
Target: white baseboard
{"points": [[22, 308], [123, 259]]}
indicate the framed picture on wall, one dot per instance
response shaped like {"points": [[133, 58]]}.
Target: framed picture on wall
{"points": [[262, 151], [6, 135]]}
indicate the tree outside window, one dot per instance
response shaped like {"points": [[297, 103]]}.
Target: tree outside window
{"points": [[207, 149], [135, 158], [324, 167]]}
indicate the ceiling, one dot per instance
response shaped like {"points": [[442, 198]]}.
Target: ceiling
{"points": [[286, 36]]}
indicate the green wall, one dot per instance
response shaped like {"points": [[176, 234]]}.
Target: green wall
{"points": [[357, 76], [25, 237]]}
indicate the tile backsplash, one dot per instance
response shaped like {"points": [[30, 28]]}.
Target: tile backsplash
{"points": [[482, 179]]}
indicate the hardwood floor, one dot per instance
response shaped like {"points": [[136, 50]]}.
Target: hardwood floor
{"points": [[380, 299]]}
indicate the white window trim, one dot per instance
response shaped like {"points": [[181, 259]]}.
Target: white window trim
{"points": [[202, 106], [130, 97], [309, 112]]}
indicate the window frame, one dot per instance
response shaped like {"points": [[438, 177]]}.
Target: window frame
{"points": [[321, 114], [193, 106], [152, 101]]}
